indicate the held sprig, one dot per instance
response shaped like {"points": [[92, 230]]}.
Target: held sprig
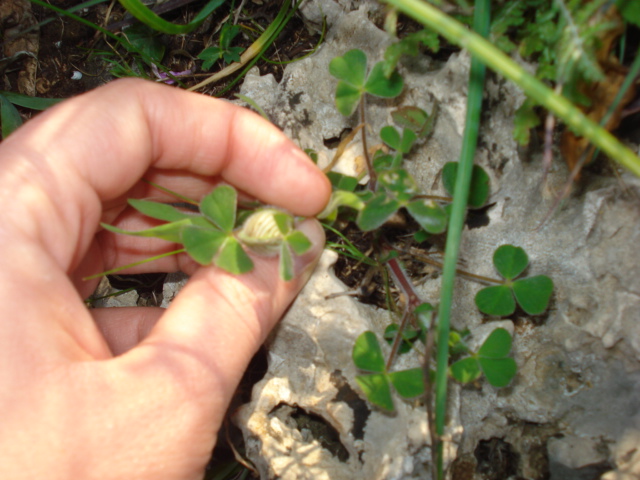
{"points": [[218, 235]]}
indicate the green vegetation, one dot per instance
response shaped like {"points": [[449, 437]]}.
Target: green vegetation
{"points": [[497, 60], [10, 117], [368, 356], [223, 50], [214, 235], [570, 44], [220, 236]]}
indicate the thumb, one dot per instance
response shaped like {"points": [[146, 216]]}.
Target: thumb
{"points": [[162, 402], [219, 320]]}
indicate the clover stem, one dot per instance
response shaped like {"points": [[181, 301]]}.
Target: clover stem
{"points": [[398, 338], [365, 149], [428, 260], [434, 197], [413, 300], [401, 279], [428, 388], [403, 282]]}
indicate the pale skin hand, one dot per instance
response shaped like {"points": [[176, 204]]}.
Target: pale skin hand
{"points": [[130, 393]]}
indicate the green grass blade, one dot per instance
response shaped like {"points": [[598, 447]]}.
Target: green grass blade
{"points": [[172, 193], [252, 103], [9, 117], [167, 231], [347, 248], [159, 211], [494, 58], [34, 103], [149, 18], [320, 40], [134, 264], [456, 222], [280, 23], [634, 70]]}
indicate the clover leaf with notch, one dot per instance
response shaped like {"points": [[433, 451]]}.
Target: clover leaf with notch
{"points": [[492, 359], [531, 293], [351, 71]]}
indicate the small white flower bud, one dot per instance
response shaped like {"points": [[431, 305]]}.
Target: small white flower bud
{"points": [[261, 233]]}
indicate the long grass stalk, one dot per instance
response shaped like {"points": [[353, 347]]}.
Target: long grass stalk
{"points": [[458, 211]]}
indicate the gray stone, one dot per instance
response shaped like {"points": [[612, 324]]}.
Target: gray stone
{"points": [[107, 296], [174, 282]]}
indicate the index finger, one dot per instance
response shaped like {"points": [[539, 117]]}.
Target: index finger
{"points": [[129, 125], [101, 143]]}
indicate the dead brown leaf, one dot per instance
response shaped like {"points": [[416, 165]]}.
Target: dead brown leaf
{"points": [[601, 94]]}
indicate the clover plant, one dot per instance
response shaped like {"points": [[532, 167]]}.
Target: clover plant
{"points": [[408, 335], [416, 119], [223, 50], [479, 191], [222, 234], [376, 385], [491, 359], [214, 236]]}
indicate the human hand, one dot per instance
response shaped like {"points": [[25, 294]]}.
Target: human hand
{"points": [[131, 393]]}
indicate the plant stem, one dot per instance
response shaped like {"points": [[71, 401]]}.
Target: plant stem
{"points": [[412, 301], [134, 264], [402, 281], [365, 149], [456, 223], [430, 261], [438, 198], [494, 58], [428, 391]]}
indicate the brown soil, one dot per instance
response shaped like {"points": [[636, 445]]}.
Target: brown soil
{"points": [[64, 45]]}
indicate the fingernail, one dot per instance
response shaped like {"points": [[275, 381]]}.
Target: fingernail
{"points": [[306, 263]]}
